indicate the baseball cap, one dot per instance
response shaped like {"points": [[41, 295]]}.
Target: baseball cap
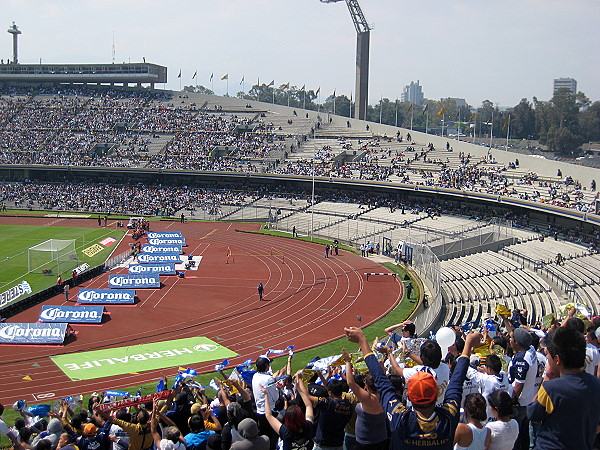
{"points": [[90, 429], [422, 388], [522, 337]]}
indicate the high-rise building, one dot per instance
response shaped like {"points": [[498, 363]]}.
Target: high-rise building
{"points": [[569, 83], [413, 93]]}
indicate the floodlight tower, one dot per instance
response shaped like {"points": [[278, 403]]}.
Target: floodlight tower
{"points": [[15, 32], [362, 56]]}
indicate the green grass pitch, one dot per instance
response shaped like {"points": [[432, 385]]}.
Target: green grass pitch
{"points": [[16, 239]]}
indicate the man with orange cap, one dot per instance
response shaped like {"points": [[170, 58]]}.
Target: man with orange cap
{"points": [[423, 425]]}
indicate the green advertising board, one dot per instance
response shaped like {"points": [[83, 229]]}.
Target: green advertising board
{"points": [[139, 358]]}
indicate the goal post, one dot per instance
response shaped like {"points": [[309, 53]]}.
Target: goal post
{"points": [[53, 256]]}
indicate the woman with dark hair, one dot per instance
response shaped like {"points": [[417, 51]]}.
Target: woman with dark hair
{"points": [[371, 422], [473, 435], [297, 429], [504, 429]]}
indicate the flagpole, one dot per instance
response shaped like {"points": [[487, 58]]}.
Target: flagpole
{"points": [[334, 102], [396, 113], [412, 113], [507, 132], [288, 96], [427, 121], [227, 86], [492, 128], [304, 99], [312, 204], [443, 122], [380, 109]]}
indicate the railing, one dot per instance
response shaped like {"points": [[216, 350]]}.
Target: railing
{"points": [[427, 266], [118, 259]]}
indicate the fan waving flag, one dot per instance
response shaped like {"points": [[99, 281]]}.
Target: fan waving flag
{"points": [[225, 77], [223, 364]]}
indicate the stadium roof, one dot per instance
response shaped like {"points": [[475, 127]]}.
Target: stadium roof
{"points": [[133, 73]]}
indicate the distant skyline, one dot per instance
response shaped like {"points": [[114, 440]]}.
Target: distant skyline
{"points": [[499, 51]]}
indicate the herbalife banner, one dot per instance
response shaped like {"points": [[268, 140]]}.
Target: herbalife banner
{"points": [[164, 234], [175, 248], [167, 241], [106, 296], [138, 358], [32, 333], [158, 269], [71, 314], [151, 258], [133, 281]]}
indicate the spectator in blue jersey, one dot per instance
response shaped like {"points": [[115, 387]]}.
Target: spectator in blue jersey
{"points": [[334, 413], [522, 373], [423, 425], [567, 407]]}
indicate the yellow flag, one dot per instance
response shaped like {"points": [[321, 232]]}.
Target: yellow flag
{"points": [[472, 117], [225, 77], [409, 107], [502, 310], [506, 122], [441, 111]]}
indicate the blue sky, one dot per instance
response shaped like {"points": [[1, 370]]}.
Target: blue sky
{"points": [[479, 49]]}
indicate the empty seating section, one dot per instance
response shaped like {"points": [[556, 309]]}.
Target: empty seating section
{"points": [[544, 251], [488, 279]]}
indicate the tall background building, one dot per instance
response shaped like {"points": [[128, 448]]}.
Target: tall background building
{"points": [[412, 93], [569, 83]]}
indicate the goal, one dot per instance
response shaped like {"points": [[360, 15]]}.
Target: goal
{"points": [[53, 256]]}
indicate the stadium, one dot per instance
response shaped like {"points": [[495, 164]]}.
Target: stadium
{"points": [[342, 219]]}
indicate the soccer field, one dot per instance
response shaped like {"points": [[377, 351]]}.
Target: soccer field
{"points": [[15, 240]]}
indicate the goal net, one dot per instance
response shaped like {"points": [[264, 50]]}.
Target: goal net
{"points": [[53, 256]]}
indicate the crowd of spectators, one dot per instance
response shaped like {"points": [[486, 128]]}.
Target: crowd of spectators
{"points": [[498, 383], [135, 199], [64, 125]]}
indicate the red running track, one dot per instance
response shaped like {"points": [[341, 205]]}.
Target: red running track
{"points": [[308, 300]]}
